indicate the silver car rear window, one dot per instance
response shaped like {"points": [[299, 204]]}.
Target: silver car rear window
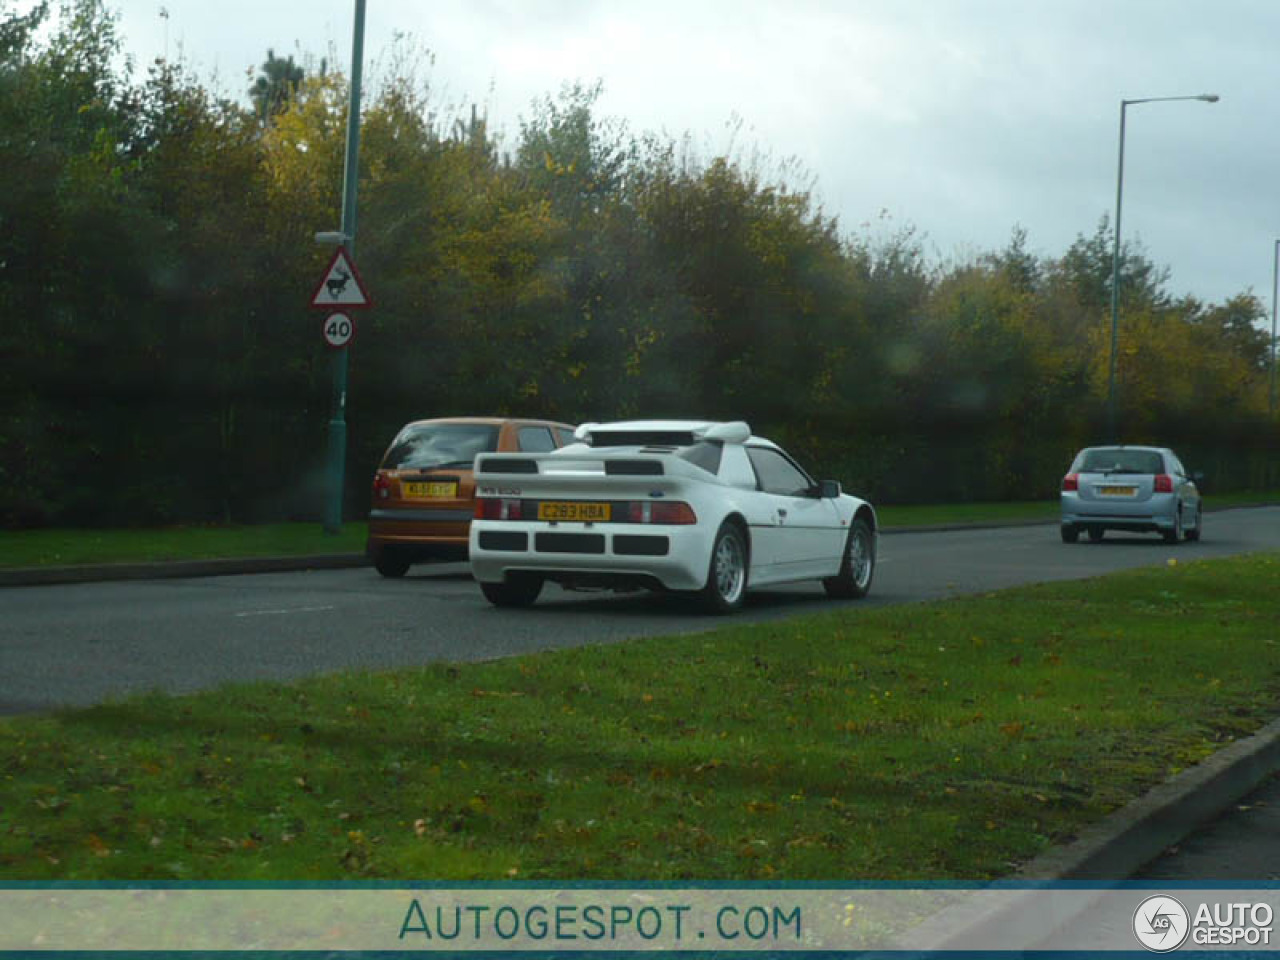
{"points": [[1120, 460]]}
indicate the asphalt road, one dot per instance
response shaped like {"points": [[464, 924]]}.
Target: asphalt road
{"points": [[82, 643], [1242, 844]]}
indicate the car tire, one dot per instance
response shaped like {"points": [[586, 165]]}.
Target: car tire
{"points": [[391, 563], [1194, 534], [857, 566], [1070, 533], [1175, 534], [726, 586], [1096, 534], [516, 591]]}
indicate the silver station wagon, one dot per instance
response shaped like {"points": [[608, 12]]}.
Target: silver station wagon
{"points": [[1138, 489]]}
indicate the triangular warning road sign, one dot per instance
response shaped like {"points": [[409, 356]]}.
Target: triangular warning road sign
{"points": [[341, 285]]}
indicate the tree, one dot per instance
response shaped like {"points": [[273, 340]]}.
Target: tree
{"points": [[1088, 264], [1234, 325], [276, 85]]}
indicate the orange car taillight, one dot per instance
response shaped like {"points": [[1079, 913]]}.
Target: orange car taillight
{"points": [[660, 511], [1071, 482], [381, 486], [1164, 483], [498, 508]]}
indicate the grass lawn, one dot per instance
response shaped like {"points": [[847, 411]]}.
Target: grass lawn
{"points": [[1046, 510], [27, 548], [949, 740], [59, 547]]}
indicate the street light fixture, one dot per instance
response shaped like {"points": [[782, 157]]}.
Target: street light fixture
{"points": [[1115, 255]]}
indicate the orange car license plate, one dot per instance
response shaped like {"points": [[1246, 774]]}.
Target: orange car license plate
{"points": [[430, 490], [585, 512], [1117, 491]]}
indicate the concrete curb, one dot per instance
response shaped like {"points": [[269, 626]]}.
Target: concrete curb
{"points": [[1112, 849], [1141, 831], [91, 573], [1041, 522]]}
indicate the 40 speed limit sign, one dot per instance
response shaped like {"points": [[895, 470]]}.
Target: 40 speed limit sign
{"points": [[338, 330]]}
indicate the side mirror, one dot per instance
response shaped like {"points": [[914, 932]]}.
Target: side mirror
{"points": [[828, 489], [1197, 475]]}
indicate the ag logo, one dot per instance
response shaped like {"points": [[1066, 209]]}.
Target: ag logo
{"points": [[1161, 924]]}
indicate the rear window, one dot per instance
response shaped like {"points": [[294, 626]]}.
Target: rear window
{"points": [[705, 455], [536, 440], [1120, 461], [641, 438], [427, 445]]}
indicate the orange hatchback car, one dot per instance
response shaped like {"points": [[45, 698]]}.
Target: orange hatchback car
{"points": [[424, 490]]}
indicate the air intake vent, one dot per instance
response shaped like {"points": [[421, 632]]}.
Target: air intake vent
{"points": [[633, 468], [494, 465]]}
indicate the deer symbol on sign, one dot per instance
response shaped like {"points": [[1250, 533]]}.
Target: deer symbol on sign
{"points": [[338, 283]]}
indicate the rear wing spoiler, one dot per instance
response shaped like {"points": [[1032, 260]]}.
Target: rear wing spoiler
{"points": [[604, 472], [520, 464]]}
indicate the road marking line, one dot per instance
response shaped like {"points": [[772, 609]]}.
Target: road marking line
{"points": [[268, 613]]}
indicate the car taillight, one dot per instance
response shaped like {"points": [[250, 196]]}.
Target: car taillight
{"points": [[1071, 481], [498, 508], [661, 511], [381, 486], [1164, 483]]}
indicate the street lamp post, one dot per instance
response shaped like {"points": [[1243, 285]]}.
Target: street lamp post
{"points": [[1275, 281], [1115, 255], [336, 466]]}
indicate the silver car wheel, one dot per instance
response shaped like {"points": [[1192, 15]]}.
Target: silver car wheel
{"points": [[857, 564], [1194, 533], [860, 563], [728, 568]]}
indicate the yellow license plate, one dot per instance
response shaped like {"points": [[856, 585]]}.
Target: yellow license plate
{"points": [[430, 490], [1117, 491], [585, 512]]}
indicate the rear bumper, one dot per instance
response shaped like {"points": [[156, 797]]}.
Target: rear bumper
{"points": [[600, 554], [419, 534], [1155, 513]]}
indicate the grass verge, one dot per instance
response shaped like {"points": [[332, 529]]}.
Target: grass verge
{"points": [[40, 548], [949, 740], [1025, 510]]}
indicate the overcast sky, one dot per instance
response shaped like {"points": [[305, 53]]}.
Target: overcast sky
{"points": [[962, 118]]}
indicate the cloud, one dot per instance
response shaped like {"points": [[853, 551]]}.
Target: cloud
{"points": [[964, 117]]}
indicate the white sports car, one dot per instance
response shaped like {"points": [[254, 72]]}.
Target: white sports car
{"points": [[675, 505]]}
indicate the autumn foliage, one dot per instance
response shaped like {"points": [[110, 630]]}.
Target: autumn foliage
{"points": [[158, 362]]}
